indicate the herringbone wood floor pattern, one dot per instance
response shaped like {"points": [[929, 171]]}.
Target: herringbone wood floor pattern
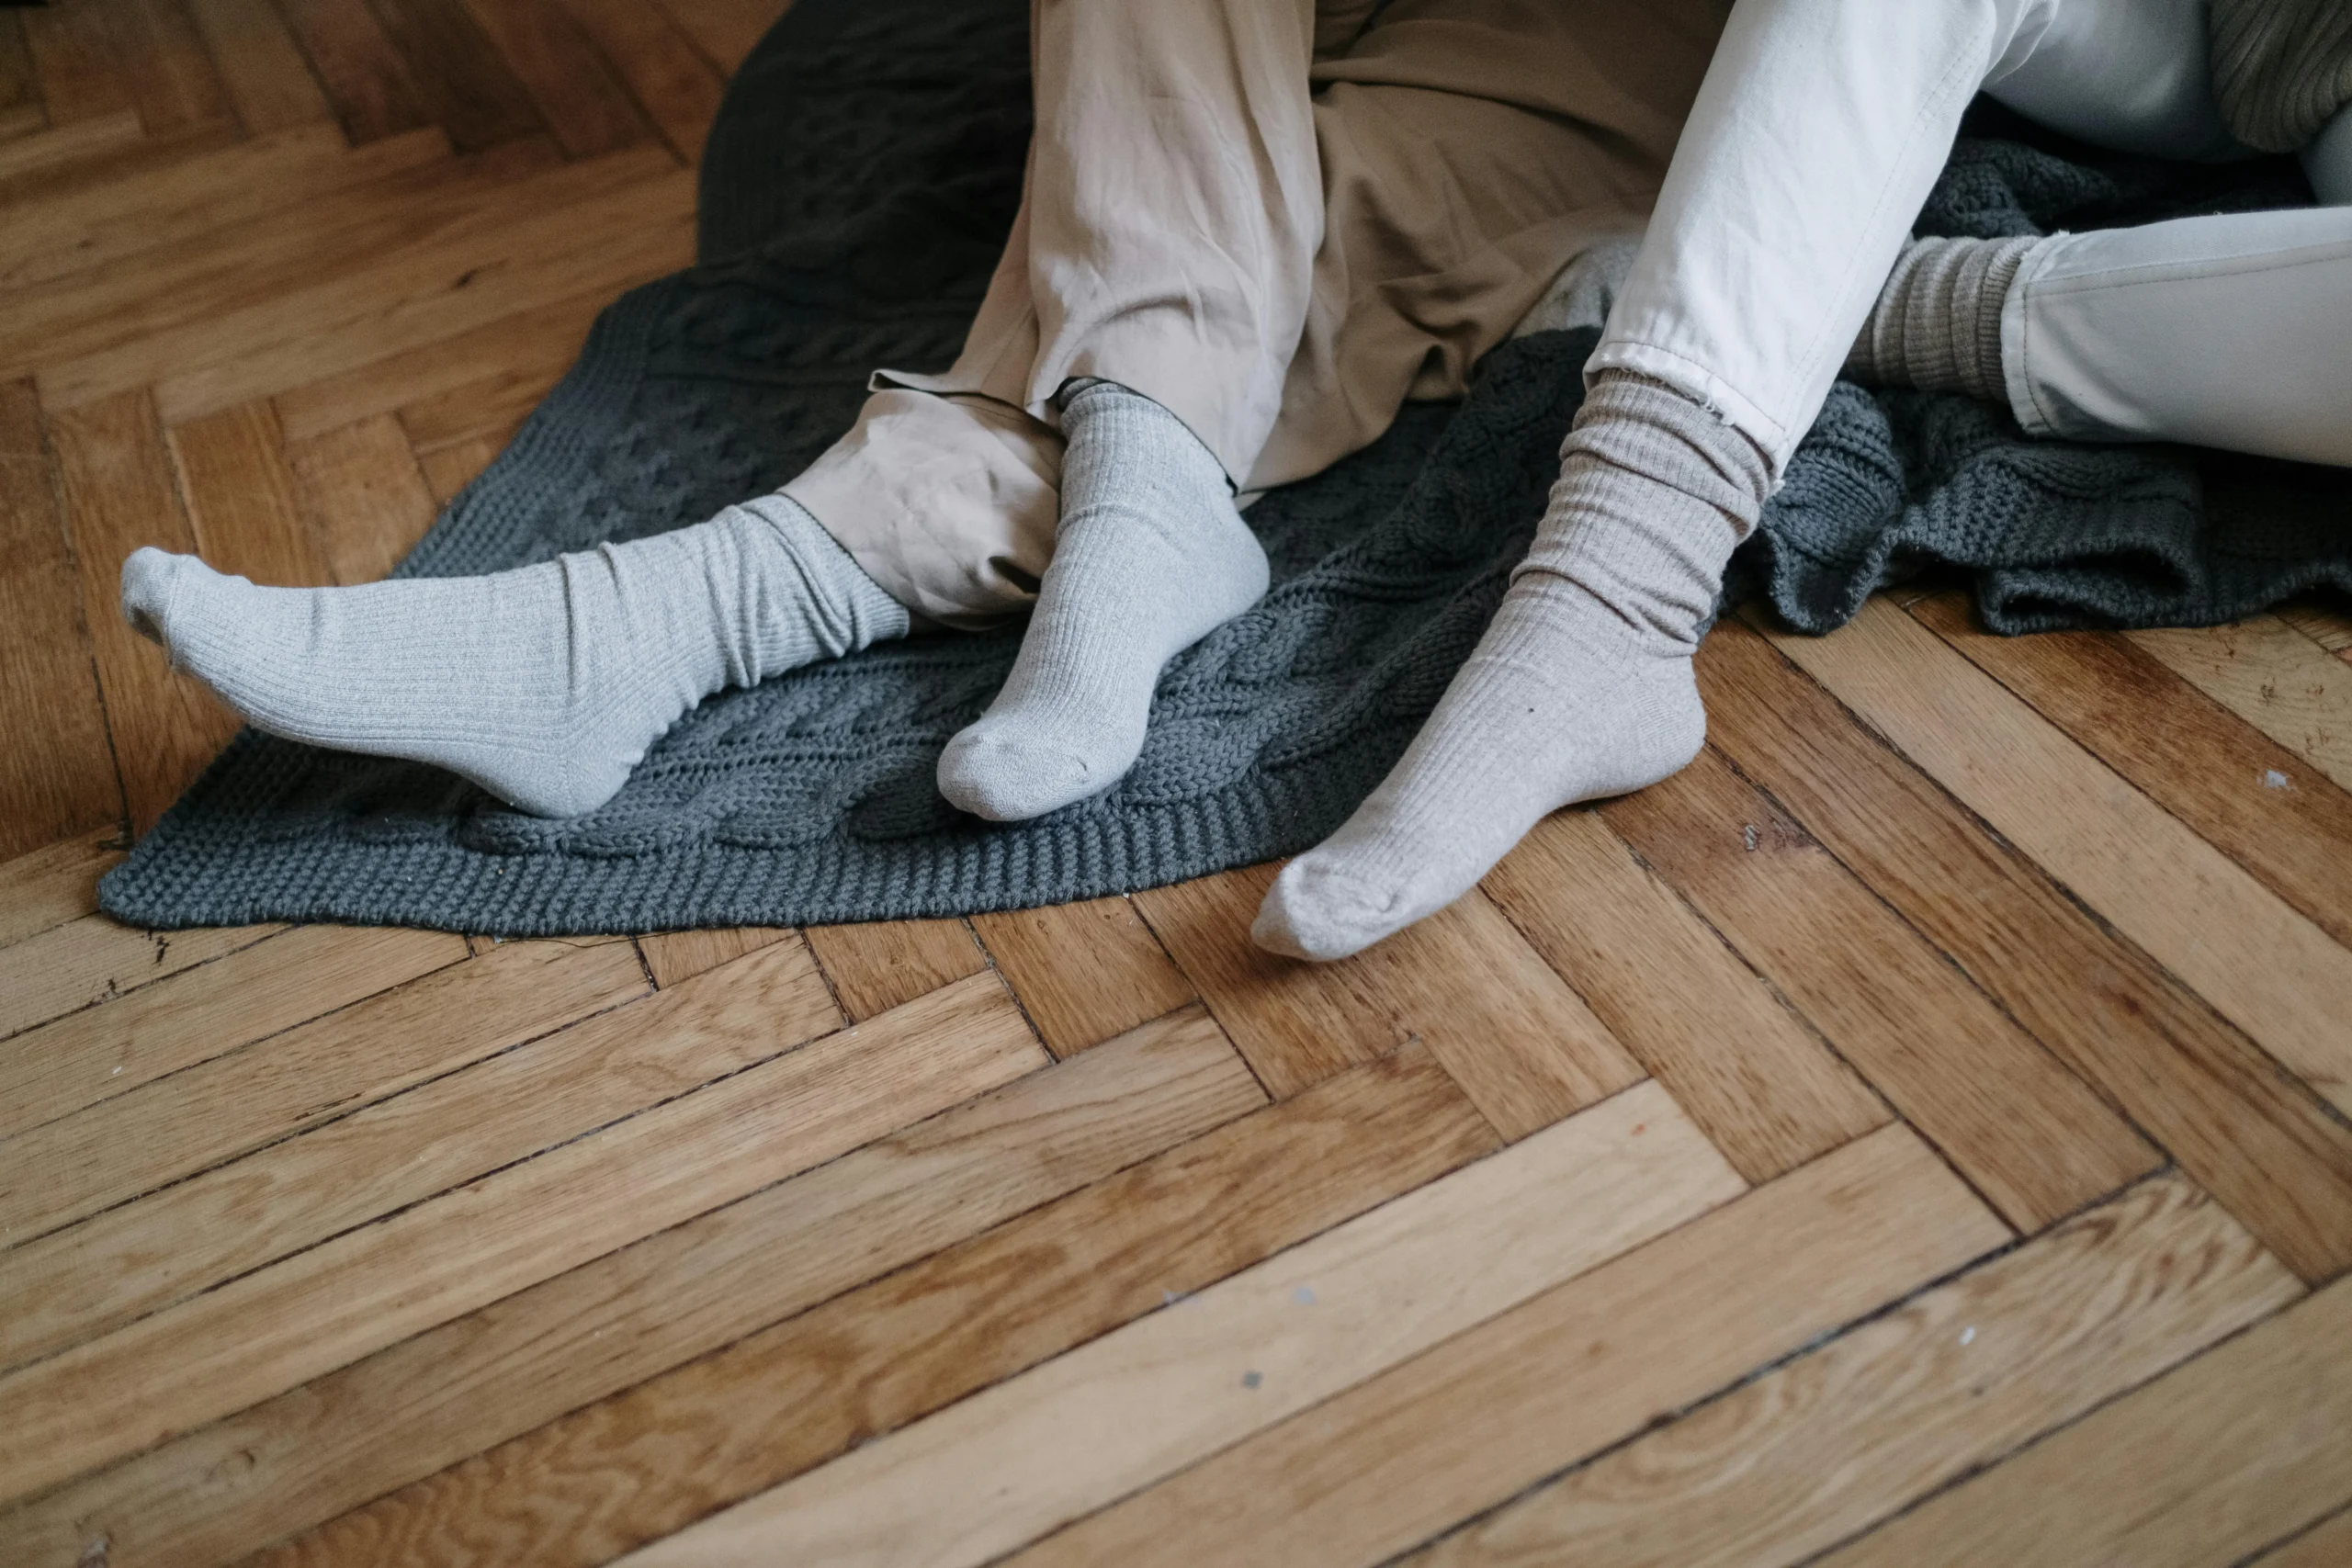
{"points": [[1916, 1135]]}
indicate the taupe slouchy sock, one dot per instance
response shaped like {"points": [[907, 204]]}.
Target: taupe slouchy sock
{"points": [[1581, 687], [1149, 557], [1937, 325], [2282, 67], [545, 685]]}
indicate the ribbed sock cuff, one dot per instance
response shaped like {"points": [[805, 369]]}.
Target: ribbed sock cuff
{"points": [[1937, 325]]}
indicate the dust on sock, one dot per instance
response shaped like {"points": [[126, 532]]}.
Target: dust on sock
{"points": [[545, 685], [1582, 687], [1149, 557]]}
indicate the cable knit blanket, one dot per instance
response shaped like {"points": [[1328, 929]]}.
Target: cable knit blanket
{"points": [[857, 186]]}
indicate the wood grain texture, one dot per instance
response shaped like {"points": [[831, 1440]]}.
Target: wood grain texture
{"points": [[2026, 1132], [674, 84], [20, 107], [1036, 1450], [43, 890], [241, 500], [25, 160], [1082, 972], [463, 83], [365, 80], [73, 60], [94, 1055], [262, 70], [2258, 803], [57, 776], [2273, 677], [2324, 624], [789, 1398], [337, 1301], [239, 1101], [2259, 1141], [82, 963], [450, 469], [566, 77], [1831, 1443], [1766, 1090], [404, 1413], [2262, 966], [2327, 1544], [163, 61], [673, 956], [119, 495], [2208, 1462], [887, 964], [367, 503], [1472, 1421], [1523, 1046]]}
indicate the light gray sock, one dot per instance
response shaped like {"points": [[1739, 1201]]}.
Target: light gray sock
{"points": [[1149, 557], [1580, 688], [545, 685], [1937, 325]]}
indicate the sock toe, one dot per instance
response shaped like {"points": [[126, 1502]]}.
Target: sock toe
{"points": [[1005, 779], [1322, 911], [151, 581]]}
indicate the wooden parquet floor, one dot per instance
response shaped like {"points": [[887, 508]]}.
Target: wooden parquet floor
{"points": [[1916, 1135]]}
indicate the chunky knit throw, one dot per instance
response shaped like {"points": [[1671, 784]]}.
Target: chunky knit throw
{"points": [[857, 186]]}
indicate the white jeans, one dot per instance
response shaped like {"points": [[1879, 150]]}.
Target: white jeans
{"points": [[1821, 127]]}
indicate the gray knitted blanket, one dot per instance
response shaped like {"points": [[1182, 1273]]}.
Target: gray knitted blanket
{"points": [[857, 186]]}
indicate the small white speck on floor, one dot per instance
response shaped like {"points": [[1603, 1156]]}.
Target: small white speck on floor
{"points": [[2273, 779], [1748, 832], [1304, 1295], [1968, 1333], [116, 1074]]}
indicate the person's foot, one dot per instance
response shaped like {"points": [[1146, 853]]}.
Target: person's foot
{"points": [[545, 685], [1150, 556], [1581, 688]]}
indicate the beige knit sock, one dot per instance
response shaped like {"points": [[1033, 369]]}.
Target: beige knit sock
{"points": [[1937, 325], [2282, 67], [1582, 687]]}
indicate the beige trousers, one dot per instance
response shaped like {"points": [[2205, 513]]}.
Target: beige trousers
{"points": [[1277, 219]]}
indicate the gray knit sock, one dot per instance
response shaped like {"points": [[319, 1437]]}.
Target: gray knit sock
{"points": [[545, 685], [1149, 557], [1581, 687], [1937, 325], [2282, 67]]}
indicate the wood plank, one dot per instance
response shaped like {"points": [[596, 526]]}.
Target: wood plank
{"points": [[1584, 1365], [464, 84], [164, 62], [2252, 1136], [546, 338], [2206, 1463], [83, 962], [98, 163], [2248, 796], [262, 70], [119, 495], [496, 405], [97, 1276], [78, 81], [725, 30], [57, 776], [678, 89], [323, 1308], [2323, 623], [241, 502], [785, 1400], [1030, 1453], [366, 79], [673, 956], [2273, 677], [69, 143], [197, 198], [20, 109], [238, 1102], [567, 80], [366, 502], [2032, 1138], [2264, 967], [1835, 1441], [1082, 972], [52, 886], [414, 1408], [451, 468], [2325, 1545], [1522, 1044], [416, 208], [101, 1051], [1763, 1086], [887, 964]]}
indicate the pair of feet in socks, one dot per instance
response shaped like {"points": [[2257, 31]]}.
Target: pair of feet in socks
{"points": [[547, 684]]}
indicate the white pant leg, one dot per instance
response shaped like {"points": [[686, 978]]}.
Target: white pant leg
{"points": [[2233, 330]]}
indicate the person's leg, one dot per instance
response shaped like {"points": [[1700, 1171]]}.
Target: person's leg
{"points": [[545, 685], [1819, 129]]}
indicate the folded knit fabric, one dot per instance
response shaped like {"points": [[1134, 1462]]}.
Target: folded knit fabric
{"points": [[2282, 67]]}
